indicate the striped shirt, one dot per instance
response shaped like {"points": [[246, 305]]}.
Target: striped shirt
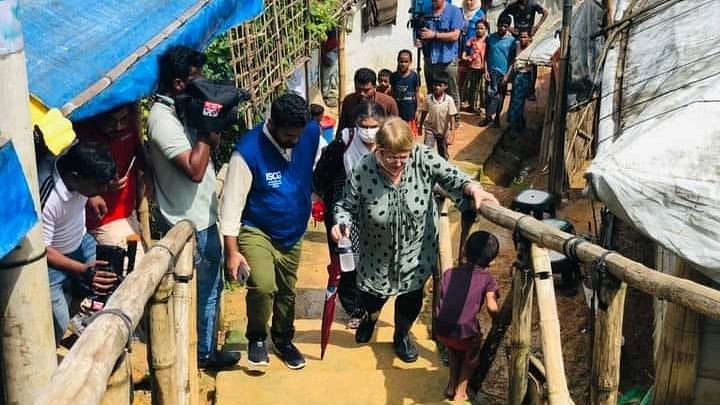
{"points": [[63, 212]]}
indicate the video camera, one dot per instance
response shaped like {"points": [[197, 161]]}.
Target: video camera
{"points": [[210, 105], [115, 258], [421, 13]]}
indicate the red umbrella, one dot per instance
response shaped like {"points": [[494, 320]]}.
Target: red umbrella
{"points": [[329, 308]]}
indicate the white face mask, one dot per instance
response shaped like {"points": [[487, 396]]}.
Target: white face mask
{"points": [[367, 134]]}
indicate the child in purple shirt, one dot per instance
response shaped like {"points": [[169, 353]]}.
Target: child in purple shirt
{"points": [[463, 291]]}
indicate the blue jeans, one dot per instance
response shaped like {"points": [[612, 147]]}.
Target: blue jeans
{"points": [[494, 95], [208, 257], [62, 283]]}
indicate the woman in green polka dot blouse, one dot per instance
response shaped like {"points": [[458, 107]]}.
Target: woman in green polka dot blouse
{"points": [[388, 196]]}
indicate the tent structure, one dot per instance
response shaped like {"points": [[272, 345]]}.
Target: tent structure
{"points": [[657, 164], [88, 57]]}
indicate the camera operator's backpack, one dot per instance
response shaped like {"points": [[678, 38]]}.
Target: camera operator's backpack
{"points": [[211, 105]]}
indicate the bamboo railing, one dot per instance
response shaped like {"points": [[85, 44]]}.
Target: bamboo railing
{"points": [[534, 238], [162, 284]]}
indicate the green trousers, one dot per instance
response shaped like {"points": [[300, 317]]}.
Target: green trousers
{"points": [[271, 285]]}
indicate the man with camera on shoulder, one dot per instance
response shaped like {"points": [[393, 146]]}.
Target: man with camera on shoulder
{"points": [[439, 38], [185, 185]]}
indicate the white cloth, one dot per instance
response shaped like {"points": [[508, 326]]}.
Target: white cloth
{"points": [[354, 152], [63, 213]]}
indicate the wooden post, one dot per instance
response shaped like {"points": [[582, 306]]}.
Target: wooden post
{"points": [[445, 260], [699, 298], [192, 343], [119, 385], [501, 322], [607, 346], [342, 64], [520, 329], [556, 181], [82, 376], [676, 358], [162, 356], [27, 339], [557, 390], [184, 316]]}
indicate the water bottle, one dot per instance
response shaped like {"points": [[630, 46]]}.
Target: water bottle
{"points": [[347, 258]]}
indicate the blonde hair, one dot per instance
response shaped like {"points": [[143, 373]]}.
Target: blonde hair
{"points": [[395, 136]]}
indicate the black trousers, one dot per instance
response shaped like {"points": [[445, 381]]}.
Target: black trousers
{"points": [[407, 309]]}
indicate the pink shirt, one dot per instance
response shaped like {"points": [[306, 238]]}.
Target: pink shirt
{"points": [[476, 50]]}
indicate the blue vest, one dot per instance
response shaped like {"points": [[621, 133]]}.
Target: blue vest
{"points": [[279, 200]]}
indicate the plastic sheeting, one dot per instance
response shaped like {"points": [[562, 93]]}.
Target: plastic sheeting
{"points": [[585, 46], [661, 169], [18, 217], [71, 44]]}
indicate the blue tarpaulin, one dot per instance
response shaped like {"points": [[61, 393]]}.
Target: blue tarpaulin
{"points": [[72, 44], [17, 218]]}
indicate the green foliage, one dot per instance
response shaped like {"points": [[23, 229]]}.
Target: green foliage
{"points": [[219, 60], [322, 19]]}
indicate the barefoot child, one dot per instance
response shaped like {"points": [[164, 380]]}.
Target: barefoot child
{"points": [[463, 291], [437, 114]]}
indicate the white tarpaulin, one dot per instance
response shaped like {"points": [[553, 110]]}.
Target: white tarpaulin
{"points": [[661, 169]]}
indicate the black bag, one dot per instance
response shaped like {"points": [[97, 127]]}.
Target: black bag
{"points": [[211, 105]]}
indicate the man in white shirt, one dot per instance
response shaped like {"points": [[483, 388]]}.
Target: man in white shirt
{"points": [[83, 171]]}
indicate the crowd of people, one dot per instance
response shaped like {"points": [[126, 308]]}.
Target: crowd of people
{"points": [[375, 178]]}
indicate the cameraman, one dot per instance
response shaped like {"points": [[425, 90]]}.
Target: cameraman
{"points": [[83, 170], [185, 189], [438, 39]]}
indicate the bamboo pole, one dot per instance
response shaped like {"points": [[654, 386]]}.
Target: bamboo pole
{"points": [[342, 64], [605, 372], [192, 344], [520, 329], [182, 296], [82, 376], [501, 322], [119, 385], [162, 356], [557, 389], [699, 298], [445, 260], [557, 176], [27, 339], [676, 362]]}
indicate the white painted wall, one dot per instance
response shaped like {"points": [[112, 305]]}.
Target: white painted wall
{"points": [[377, 48]]}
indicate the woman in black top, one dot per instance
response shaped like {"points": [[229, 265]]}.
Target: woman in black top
{"points": [[331, 171]]}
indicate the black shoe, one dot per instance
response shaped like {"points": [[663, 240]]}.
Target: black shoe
{"points": [[290, 355], [257, 354], [404, 349], [365, 330], [219, 360]]}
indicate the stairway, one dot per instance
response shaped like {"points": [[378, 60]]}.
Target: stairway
{"points": [[350, 373]]}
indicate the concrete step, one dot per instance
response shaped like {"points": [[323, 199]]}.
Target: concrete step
{"points": [[348, 385], [344, 354], [307, 329]]}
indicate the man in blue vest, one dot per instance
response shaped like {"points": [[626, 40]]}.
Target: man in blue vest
{"points": [[264, 214]]}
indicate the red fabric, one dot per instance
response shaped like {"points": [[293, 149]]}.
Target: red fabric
{"points": [[471, 346], [121, 203], [318, 210]]}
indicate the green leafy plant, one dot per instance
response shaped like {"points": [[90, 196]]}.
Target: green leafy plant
{"points": [[219, 60], [322, 19]]}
